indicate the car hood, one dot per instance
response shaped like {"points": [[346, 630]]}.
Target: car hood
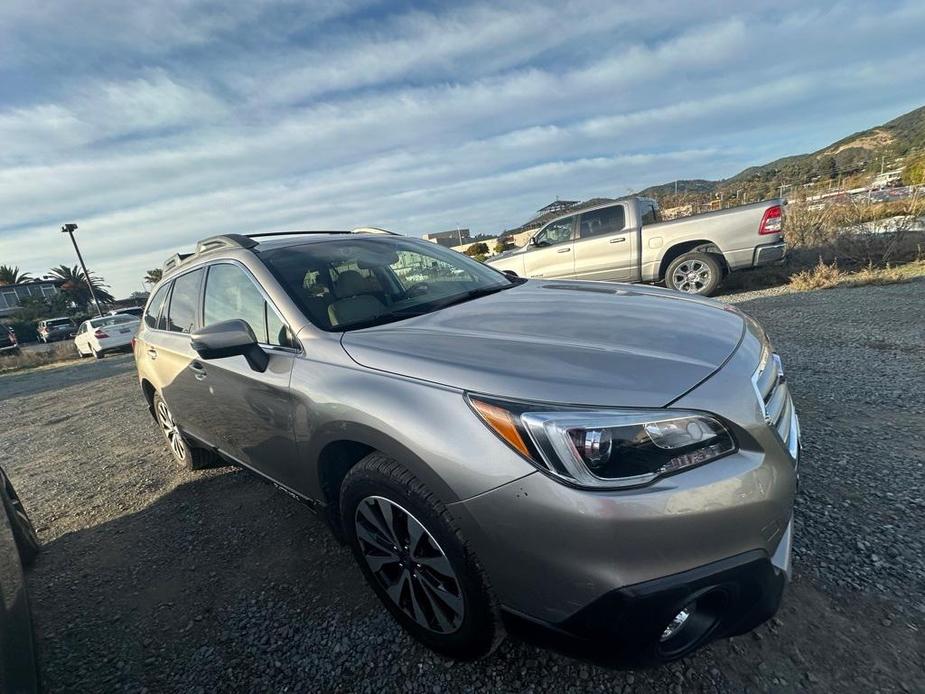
{"points": [[584, 343]]}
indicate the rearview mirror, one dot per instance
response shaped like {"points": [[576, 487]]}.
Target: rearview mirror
{"points": [[229, 338]]}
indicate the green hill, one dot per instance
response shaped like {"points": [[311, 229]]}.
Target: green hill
{"points": [[861, 152]]}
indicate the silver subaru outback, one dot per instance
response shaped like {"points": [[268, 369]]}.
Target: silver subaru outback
{"points": [[608, 467]]}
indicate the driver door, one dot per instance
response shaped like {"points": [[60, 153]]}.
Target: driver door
{"points": [[553, 250]]}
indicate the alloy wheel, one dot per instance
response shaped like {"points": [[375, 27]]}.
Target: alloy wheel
{"points": [[691, 276], [409, 564], [171, 431]]}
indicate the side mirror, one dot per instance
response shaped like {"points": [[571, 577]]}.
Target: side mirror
{"points": [[510, 274], [229, 338], [533, 241]]}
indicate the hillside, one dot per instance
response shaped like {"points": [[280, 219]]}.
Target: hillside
{"points": [[857, 153]]}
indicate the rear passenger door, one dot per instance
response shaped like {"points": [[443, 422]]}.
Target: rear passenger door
{"points": [[605, 249], [174, 357], [250, 413], [551, 255]]}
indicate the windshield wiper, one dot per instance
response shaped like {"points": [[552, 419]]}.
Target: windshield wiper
{"points": [[429, 307], [465, 296]]}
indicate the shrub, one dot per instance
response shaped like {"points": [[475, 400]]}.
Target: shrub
{"points": [[477, 249]]}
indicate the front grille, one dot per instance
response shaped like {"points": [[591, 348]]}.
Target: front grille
{"points": [[774, 395]]}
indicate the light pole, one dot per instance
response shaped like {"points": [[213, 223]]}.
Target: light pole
{"points": [[70, 229]]}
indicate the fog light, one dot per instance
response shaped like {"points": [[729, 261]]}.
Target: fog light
{"points": [[677, 623]]}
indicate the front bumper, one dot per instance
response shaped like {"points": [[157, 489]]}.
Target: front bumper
{"points": [[625, 627]]}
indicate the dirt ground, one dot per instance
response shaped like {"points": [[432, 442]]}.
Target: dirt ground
{"points": [[156, 579]]}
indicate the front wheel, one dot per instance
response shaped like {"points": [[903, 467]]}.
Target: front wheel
{"points": [[694, 273], [416, 561]]}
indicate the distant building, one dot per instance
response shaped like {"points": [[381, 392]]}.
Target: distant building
{"points": [[887, 179], [555, 207], [11, 295], [133, 299], [453, 237]]}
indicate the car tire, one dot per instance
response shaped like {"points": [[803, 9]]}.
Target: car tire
{"points": [[694, 273], [186, 455], [96, 355], [27, 541], [428, 578]]}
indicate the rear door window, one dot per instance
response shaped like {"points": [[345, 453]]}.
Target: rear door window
{"points": [[154, 306], [184, 301], [599, 222]]}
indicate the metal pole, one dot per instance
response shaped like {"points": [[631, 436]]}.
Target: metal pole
{"points": [[83, 266]]}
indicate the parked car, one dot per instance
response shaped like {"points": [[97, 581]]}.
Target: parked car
{"points": [[626, 241], [19, 547], [8, 342], [99, 336], [52, 329], [615, 465], [136, 311]]}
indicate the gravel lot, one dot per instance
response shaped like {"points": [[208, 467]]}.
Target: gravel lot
{"points": [[160, 580]]}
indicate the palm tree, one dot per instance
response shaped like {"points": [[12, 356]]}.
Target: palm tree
{"points": [[154, 276], [11, 275], [74, 283]]}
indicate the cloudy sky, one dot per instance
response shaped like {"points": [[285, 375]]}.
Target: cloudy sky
{"points": [[154, 124]]}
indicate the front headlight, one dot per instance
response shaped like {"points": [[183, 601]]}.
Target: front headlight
{"points": [[606, 449]]}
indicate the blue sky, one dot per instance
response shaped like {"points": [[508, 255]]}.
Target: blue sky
{"points": [[154, 124]]}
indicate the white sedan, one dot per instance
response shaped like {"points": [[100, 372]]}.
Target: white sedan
{"points": [[109, 333]]}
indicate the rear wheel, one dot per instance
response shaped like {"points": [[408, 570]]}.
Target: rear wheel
{"points": [[27, 542], [416, 560], [694, 273], [186, 455]]}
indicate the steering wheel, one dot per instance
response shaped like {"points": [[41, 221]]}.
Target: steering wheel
{"points": [[417, 289]]}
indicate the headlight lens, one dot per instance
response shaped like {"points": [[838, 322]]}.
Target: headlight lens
{"points": [[607, 449]]}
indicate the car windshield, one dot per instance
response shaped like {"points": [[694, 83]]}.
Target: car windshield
{"points": [[353, 282], [113, 320]]}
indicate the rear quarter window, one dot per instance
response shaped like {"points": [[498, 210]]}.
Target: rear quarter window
{"points": [[155, 305], [184, 302]]}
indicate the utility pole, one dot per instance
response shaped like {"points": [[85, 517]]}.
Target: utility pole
{"points": [[70, 229]]}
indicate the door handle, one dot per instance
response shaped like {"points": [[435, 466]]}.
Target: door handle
{"points": [[563, 250], [618, 240], [152, 353], [198, 370]]}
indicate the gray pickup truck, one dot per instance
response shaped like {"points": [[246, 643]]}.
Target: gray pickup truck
{"points": [[626, 241]]}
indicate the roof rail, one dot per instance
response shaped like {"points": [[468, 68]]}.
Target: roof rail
{"points": [[246, 241], [262, 234], [174, 261], [224, 241], [373, 230]]}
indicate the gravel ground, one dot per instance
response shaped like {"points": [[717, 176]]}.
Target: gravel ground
{"points": [[155, 579]]}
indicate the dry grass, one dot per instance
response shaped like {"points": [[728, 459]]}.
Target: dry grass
{"points": [[28, 359], [827, 275]]}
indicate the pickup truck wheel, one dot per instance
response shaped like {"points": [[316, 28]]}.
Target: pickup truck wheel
{"points": [[416, 560], [186, 455], [694, 273]]}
